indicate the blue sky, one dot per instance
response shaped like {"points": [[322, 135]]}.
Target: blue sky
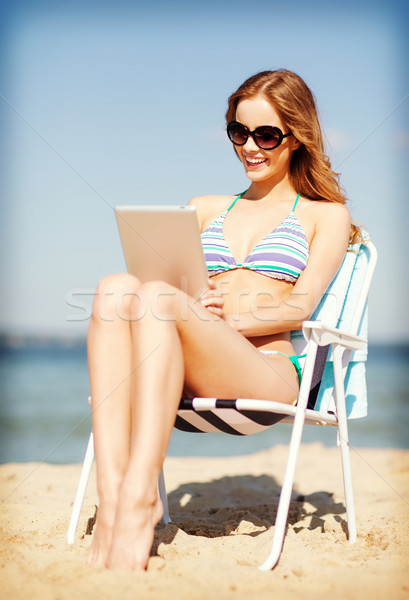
{"points": [[105, 104]]}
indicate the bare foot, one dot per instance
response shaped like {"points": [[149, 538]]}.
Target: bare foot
{"points": [[133, 535], [102, 536]]}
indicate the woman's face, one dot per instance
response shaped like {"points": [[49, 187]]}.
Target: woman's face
{"points": [[259, 164]]}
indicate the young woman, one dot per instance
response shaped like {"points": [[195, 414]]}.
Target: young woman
{"points": [[271, 253]]}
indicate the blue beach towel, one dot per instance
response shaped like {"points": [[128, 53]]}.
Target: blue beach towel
{"points": [[336, 309]]}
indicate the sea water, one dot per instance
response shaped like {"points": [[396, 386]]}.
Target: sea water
{"points": [[45, 416]]}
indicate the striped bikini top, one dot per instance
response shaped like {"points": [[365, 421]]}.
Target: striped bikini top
{"points": [[281, 254]]}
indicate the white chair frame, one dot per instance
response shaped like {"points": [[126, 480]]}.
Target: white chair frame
{"points": [[343, 343]]}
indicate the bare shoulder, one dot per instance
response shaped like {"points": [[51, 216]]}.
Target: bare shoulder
{"points": [[330, 216], [208, 207], [210, 202], [322, 209], [330, 224]]}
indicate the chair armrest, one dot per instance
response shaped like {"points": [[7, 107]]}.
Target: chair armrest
{"points": [[323, 335]]}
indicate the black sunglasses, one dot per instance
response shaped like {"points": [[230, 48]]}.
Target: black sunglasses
{"points": [[266, 137]]}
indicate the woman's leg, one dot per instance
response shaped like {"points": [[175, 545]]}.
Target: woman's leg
{"points": [[176, 340], [156, 392], [110, 366]]}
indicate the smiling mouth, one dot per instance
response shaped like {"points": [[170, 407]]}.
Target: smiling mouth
{"points": [[254, 163]]}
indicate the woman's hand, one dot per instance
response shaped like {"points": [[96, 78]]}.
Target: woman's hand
{"points": [[213, 299]]}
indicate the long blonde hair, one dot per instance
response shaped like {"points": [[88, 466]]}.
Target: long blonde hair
{"points": [[310, 173]]}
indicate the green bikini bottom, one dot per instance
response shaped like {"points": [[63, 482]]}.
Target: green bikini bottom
{"points": [[294, 359]]}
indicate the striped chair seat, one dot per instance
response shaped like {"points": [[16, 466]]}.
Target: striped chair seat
{"points": [[211, 415], [240, 416]]}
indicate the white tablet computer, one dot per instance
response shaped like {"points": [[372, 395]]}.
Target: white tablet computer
{"points": [[163, 243]]}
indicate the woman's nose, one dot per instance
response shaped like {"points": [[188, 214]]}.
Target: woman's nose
{"points": [[250, 145]]}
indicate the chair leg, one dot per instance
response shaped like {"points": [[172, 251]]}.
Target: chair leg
{"points": [[287, 487], [344, 443], [284, 502], [81, 489], [349, 496], [164, 498]]}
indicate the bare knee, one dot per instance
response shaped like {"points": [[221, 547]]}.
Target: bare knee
{"points": [[159, 300], [114, 297]]}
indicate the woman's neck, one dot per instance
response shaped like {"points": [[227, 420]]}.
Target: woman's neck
{"points": [[274, 191]]}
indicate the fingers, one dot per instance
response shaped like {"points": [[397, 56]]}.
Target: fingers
{"points": [[216, 311], [213, 299]]}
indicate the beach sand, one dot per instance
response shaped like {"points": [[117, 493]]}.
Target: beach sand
{"points": [[223, 510]]}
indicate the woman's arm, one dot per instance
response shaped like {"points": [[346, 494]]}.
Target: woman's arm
{"points": [[327, 250], [208, 207]]}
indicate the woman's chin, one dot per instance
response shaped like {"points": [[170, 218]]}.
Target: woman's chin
{"points": [[257, 174]]}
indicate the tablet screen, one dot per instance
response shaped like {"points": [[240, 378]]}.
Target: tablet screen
{"points": [[163, 243]]}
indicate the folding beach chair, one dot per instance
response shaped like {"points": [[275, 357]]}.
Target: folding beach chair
{"points": [[332, 389]]}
